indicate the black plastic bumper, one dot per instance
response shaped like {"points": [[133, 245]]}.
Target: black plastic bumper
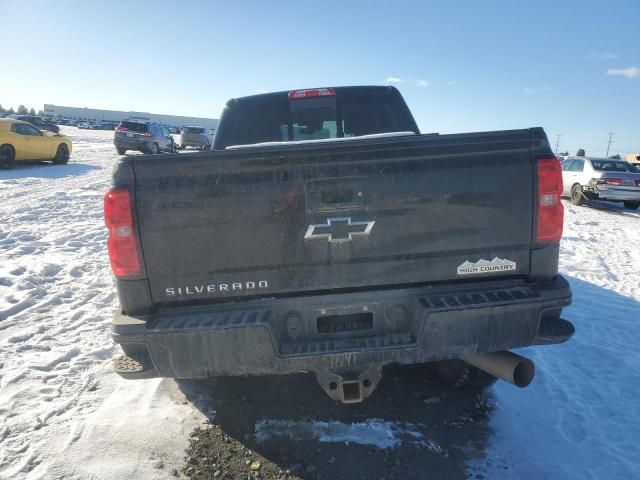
{"points": [[132, 144], [365, 330]]}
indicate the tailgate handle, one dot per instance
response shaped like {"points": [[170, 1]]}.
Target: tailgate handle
{"points": [[333, 194], [343, 195]]}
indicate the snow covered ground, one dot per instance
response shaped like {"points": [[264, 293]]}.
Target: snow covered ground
{"points": [[580, 416], [64, 414]]}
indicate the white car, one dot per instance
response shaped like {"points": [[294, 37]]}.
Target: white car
{"points": [[586, 178]]}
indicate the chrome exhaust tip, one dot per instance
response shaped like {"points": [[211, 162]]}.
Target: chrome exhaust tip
{"points": [[508, 366]]}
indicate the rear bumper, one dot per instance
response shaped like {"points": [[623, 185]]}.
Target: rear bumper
{"points": [[619, 194], [194, 140], [194, 144], [132, 144], [406, 326]]}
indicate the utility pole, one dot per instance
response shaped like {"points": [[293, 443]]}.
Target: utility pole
{"points": [[557, 143], [609, 144]]}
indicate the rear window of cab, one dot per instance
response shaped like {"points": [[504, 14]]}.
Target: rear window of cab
{"points": [[277, 119]]}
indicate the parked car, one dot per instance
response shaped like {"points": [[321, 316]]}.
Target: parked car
{"points": [[38, 122], [20, 140], [585, 178], [144, 137], [323, 233], [199, 137], [83, 125]]}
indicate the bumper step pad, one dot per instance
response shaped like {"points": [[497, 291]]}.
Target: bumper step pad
{"points": [[125, 364], [554, 330]]}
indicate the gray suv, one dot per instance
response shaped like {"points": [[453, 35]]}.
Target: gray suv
{"points": [[144, 137], [198, 137]]}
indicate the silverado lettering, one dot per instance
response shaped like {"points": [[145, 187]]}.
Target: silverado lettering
{"points": [[214, 288]]}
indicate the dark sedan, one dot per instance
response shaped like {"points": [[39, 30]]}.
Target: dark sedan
{"points": [[39, 122]]}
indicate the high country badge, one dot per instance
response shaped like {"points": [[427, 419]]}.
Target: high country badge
{"points": [[485, 266]]}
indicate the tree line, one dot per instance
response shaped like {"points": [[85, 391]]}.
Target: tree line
{"points": [[582, 153], [22, 110]]}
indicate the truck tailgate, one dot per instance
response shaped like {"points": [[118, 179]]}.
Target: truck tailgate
{"points": [[342, 215]]}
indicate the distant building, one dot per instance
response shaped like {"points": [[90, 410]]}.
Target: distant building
{"points": [[633, 157], [96, 115]]}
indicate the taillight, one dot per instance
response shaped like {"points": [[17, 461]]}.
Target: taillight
{"points": [[121, 129], [312, 92], [121, 243], [613, 181], [550, 209], [146, 134], [637, 183]]}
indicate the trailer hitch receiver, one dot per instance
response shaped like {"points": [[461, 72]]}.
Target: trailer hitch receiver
{"points": [[350, 387]]}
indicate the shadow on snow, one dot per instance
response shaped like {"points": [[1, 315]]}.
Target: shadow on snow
{"points": [[36, 169]]}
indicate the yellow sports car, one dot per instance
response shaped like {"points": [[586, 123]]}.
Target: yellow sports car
{"points": [[22, 141]]}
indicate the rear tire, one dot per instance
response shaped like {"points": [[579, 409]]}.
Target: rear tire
{"points": [[7, 157], [460, 375], [631, 205], [121, 151], [577, 197], [62, 155]]}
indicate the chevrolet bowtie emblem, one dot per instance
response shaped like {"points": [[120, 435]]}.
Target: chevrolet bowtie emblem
{"points": [[340, 229]]}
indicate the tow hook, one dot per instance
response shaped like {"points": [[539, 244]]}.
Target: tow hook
{"points": [[349, 387]]}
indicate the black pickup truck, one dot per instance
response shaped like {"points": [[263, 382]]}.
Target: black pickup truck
{"points": [[323, 233]]}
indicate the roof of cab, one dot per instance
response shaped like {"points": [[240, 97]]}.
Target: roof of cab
{"points": [[362, 89]]}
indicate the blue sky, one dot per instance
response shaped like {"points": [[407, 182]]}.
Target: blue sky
{"points": [[462, 66]]}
